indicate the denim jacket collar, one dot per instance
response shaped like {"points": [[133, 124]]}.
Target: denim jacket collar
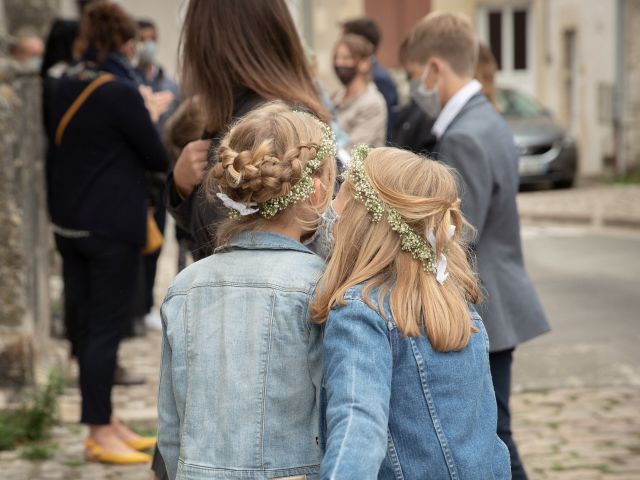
{"points": [[262, 240]]}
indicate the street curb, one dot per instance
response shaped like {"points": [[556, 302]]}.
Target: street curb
{"points": [[581, 220]]}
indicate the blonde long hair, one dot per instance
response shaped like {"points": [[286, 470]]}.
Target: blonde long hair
{"points": [[425, 194], [262, 157]]}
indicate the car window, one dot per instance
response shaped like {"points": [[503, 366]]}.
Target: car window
{"points": [[516, 104]]}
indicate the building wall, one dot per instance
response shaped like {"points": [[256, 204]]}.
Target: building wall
{"points": [[24, 237], [630, 96], [395, 19], [579, 96], [468, 7], [593, 76]]}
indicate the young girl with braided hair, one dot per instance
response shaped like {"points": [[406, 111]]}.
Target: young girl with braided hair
{"points": [[241, 369], [409, 391]]}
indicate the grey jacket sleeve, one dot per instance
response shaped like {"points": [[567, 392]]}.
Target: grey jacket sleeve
{"points": [[463, 153]]}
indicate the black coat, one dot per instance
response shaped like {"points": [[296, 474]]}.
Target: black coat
{"points": [[412, 129], [196, 214], [96, 178]]}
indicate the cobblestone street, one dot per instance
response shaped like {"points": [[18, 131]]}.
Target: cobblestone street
{"points": [[584, 434], [566, 433]]}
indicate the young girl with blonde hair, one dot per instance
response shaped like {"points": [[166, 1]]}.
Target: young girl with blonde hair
{"points": [[242, 362], [409, 392]]}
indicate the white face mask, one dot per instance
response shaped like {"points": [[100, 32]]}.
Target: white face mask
{"points": [[147, 52], [427, 100]]}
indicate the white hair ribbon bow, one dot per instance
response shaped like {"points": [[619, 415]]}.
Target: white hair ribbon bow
{"points": [[244, 209], [441, 268]]}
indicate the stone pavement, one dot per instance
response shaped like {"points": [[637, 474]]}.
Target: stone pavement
{"points": [[564, 434], [600, 206], [586, 434]]}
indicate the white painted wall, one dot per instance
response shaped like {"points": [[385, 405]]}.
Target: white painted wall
{"points": [[594, 23]]}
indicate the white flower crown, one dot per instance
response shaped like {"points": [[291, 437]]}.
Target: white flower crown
{"points": [[421, 248]]}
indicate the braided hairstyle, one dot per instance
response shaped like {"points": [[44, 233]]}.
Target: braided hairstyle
{"points": [[262, 157]]}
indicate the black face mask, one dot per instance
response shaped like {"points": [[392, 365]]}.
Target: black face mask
{"points": [[345, 74]]}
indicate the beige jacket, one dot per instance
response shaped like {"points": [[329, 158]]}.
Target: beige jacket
{"points": [[363, 118]]}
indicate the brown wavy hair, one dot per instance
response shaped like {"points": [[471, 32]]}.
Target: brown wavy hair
{"points": [[106, 27], [227, 44], [261, 158], [425, 194], [358, 46]]}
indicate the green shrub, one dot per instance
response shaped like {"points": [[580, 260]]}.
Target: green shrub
{"points": [[32, 422], [39, 452]]}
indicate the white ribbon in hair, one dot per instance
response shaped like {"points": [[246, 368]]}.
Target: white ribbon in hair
{"points": [[441, 268], [243, 209]]}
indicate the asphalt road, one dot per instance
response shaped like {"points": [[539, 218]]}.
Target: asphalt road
{"points": [[589, 283]]}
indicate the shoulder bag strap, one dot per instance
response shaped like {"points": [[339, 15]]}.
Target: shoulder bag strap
{"points": [[77, 103]]}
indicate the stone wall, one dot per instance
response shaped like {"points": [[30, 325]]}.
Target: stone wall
{"points": [[33, 15], [25, 234], [631, 72]]}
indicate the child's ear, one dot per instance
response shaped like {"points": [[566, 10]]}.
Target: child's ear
{"points": [[319, 192]]}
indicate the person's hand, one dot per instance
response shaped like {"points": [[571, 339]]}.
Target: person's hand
{"points": [[190, 167], [147, 96], [163, 100], [156, 103]]}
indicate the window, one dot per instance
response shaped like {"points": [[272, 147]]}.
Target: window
{"points": [[495, 36], [519, 39], [506, 31]]}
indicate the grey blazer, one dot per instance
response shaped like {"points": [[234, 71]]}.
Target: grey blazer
{"points": [[480, 146]]}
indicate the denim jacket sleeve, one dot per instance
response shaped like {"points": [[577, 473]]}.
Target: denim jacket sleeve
{"points": [[358, 369], [173, 381]]}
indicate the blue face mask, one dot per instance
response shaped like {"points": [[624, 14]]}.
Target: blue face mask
{"points": [[427, 100], [323, 241]]}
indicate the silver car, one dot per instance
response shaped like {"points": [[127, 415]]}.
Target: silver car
{"points": [[548, 155]]}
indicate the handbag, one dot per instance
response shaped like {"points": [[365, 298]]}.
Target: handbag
{"points": [[154, 236], [155, 239]]}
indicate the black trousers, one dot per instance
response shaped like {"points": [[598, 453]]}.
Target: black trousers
{"points": [[150, 262], [157, 465], [500, 363], [99, 276]]}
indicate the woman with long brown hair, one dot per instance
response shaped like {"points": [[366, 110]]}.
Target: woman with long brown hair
{"points": [[236, 54]]}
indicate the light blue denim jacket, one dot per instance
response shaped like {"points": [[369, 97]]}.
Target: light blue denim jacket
{"points": [[241, 372], [398, 409]]}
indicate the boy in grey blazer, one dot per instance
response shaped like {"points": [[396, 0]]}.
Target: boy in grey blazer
{"points": [[474, 139]]}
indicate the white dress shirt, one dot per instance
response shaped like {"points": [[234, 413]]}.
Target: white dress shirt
{"points": [[453, 107]]}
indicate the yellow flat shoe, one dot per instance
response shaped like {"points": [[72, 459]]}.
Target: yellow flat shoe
{"points": [[142, 443], [95, 453]]}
